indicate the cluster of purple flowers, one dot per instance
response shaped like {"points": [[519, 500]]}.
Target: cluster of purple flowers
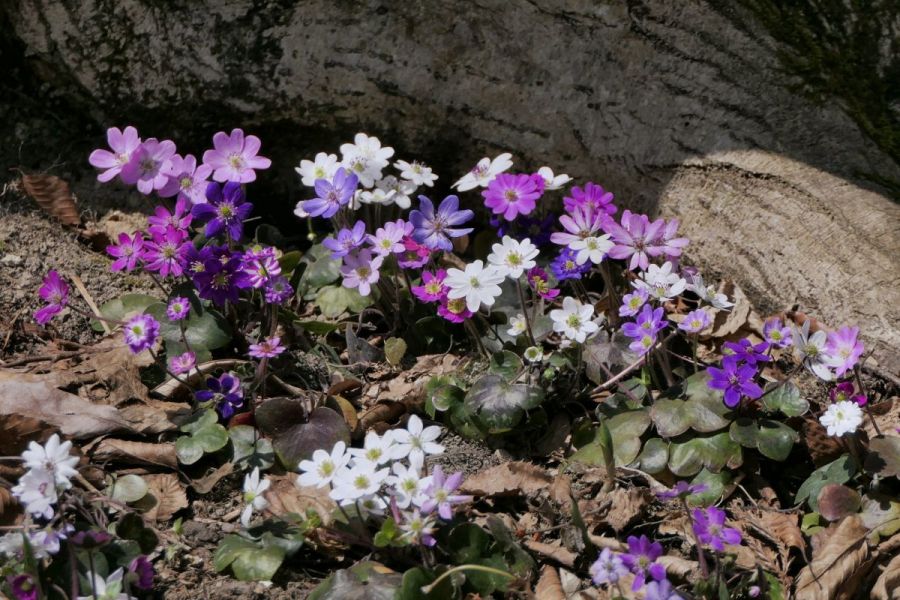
{"points": [[645, 328], [737, 375]]}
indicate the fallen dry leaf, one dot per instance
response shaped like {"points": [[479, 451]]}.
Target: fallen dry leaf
{"points": [[10, 510], [154, 416], [169, 494], [627, 505], [887, 587], [17, 430], [726, 323], [556, 552], [508, 479], [681, 568], [549, 586], [823, 448], [408, 387], [561, 491], [205, 484], [125, 451], [838, 565], [53, 195], [285, 496]]}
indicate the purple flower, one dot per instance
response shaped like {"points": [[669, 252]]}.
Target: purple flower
{"points": [[736, 379], [414, 254], [149, 165], [593, 197], [55, 292], [635, 238], [512, 195], [695, 321], [234, 157], [709, 525], [127, 252], [608, 568], [434, 229], [278, 290], [454, 310], [346, 240], [643, 344], [123, 145], [360, 271], [225, 210], [331, 195], [440, 494], [163, 218], [90, 539], [632, 303], [432, 288], [224, 392], [660, 590], [142, 568], [389, 239], [648, 321], [259, 267], [746, 352], [668, 245], [178, 308], [166, 252], [776, 335], [641, 560], [540, 283], [140, 332], [23, 587], [187, 180], [845, 347], [268, 348], [220, 277], [182, 363], [845, 391], [565, 266], [682, 489], [581, 224]]}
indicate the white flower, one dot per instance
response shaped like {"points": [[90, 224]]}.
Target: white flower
{"points": [[484, 172], [842, 417], [408, 484], [106, 589], [514, 256], [298, 210], [574, 319], [517, 325], [376, 449], [708, 294], [660, 282], [810, 350], [37, 491], [253, 496], [477, 284], [416, 439], [418, 528], [534, 354], [365, 158], [362, 479], [591, 248], [322, 469], [373, 196], [323, 167], [398, 191], [373, 504], [12, 545], [551, 181], [54, 457], [46, 541], [416, 172]]}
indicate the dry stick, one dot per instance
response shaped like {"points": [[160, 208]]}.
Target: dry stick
{"points": [[79, 285], [636, 364]]}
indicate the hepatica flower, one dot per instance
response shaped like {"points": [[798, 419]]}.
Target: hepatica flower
{"points": [[632, 303], [416, 172], [747, 352], [322, 167], [709, 525], [454, 310], [224, 392], [140, 332], [540, 283], [278, 290], [187, 180], [127, 252], [331, 195], [259, 267], [634, 239], [235, 158], [484, 172], [360, 270], [477, 284], [162, 218], [564, 266], [593, 198], [841, 417], [776, 335], [123, 145], [23, 587], [440, 494], [608, 568], [220, 278], [149, 165], [552, 181], [366, 158], [682, 489], [695, 321], [514, 256], [254, 501], [166, 252], [574, 319], [178, 308], [414, 254], [389, 239], [346, 240], [844, 346], [582, 225], [812, 351], [845, 391], [182, 363], [735, 379], [267, 348], [434, 228], [661, 282], [512, 195], [641, 560], [324, 466], [432, 288], [54, 457], [225, 210]]}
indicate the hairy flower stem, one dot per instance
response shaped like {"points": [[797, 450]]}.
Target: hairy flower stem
{"points": [[426, 589], [867, 407], [525, 311], [701, 557], [695, 338]]}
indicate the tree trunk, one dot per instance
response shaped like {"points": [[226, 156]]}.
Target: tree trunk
{"points": [[687, 108]]}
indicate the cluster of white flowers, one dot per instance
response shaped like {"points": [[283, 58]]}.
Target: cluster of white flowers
{"points": [[50, 468]]}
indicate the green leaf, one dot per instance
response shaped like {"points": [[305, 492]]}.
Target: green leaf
{"points": [[188, 450], [127, 488], [365, 581], [322, 269], [520, 562], [259, 565], [625, 429], [467, 543], [205, 435], [884, 456], [207, 329], [702, 410], [394, 350], [131, 527], [881, 514], [838, 471], [417, 578], [441, 393], [506, 364], [250, 449], [773, 439], [786, 398], [712, 452], [654, 456], [318, 327], [387, 534], [604, 355], [335, 300], [229, 549], [289, 261], [500, 405], [715, 487], [294, 438], [126, 305]]}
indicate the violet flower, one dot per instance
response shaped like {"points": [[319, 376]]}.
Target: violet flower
{"points": [[178, 308], [225, 210], [709, 525], [346, 240], [440, 494], [55, 292], [278, 290], [331, 195], [845, 391], [682, 489], [166, 252], [661, 590], [746, 352], [163, 218], [432, 288], [259, 267], [149, 165], [127, 252], [123, 145], [608, 568], [695, 321], [592, 197], [565, 266], [433, 228], [224, 392], [221, 277], [735, 379], [142, 570], [23, 587], [140, 332], [187, 180], [641, 560], [235, 157], [844, 346], [635, 239], [648, 321], [512, 195], [360, 271], [776, 335]]}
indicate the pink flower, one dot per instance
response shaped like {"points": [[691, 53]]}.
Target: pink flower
{"points": [[123, 145], [235, 157], [182, 363], [162, 218], [414, 254], [268, 348], [635, 238], [592, 197], [540, 283], [167, 252], [360, 271], [55, 292], [432, 288], [149, 165], [454, 310], [187, 180], [511, 195], [844, 346], [127, 252], [582, 223]]}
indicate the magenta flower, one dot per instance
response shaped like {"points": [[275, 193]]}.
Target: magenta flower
{"points": [[346, 240], [166, 252], [360, 271], [540, 283], [641, 560], [735, 379], [668, 245], [260, 267], [434, 228], [163, 217], [432, 288], [440, 494], [142, 570], [593, 198], [149, 165], [225, 210], [635, 238], [389, 239], [235, 158], [581, 224], [414, 254], [178, 308], [511, 195], [844, 391], [182, 363], [709, 525], [776, 335], [23, 587], [454, 310], [845, 347], [331, 195], [187, 180], [55, 292], [123, 145], [268, 348], [140, 332], [278, 290], [128, 252]]}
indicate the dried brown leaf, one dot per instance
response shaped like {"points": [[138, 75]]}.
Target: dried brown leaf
{"points": [[10, 510], [561, 491], [887, 587], [154, 416], [129, 452], [17, 430], [508, 479], [169, 494], [838, 565], [285, 496], [681, 568], [627, 505], [729, 322], [206, 483], [549, 586], [823, 448], [53, 195], [555, 551]]}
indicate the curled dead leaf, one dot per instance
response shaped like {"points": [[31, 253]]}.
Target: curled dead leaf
{"points": [[205, 484], [627, 505], [555, 552], [10, 510], [53, 195], [549, 587], [838, 565], [508, 479], [169, 494], [887, 587], [129, 452], [17, 430]]}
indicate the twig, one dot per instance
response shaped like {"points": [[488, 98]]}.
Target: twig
{"points": [[89, 301], [633, 366]]}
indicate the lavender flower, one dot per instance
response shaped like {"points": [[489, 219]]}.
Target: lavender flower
{"points": [[235, 157], [608, 568], [224, 392], [346, 240], [360, 271], [512, 195], [331, 195], [579, 226], [389, 239], [278, 290], [123, 144], [648, 321], [695, 321], [418, 528], [736, 379], [187, 180], [845, 347], [127, 252], [149, 165], [641, 560], [268, 348], [55, 292], [162, 218], [433, 228], [746, 352], [776, 335], [632, 303], [182, 363], [660, 590], [565, 266], [593, 197], [709, 525], [140, 332], [440, 494], [178, 308], [225, 210], [634, 239]]}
